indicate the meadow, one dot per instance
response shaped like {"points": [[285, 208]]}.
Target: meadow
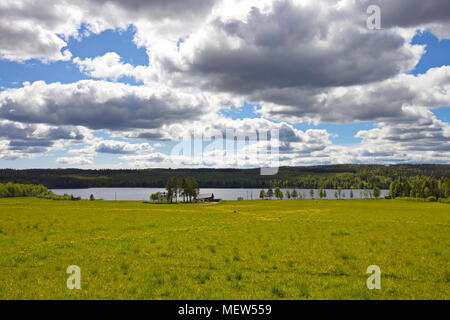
{"points": [[290, 249]]}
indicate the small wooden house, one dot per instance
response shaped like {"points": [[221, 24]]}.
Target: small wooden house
{"points": [[206, 198], [163, 197]]}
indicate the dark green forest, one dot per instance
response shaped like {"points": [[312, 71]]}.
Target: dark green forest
{"points": [[12, 190], [327, 177]]}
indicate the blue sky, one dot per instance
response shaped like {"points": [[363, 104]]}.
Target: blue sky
{"points": [[134, 69], [437, 55], [14, 74]]}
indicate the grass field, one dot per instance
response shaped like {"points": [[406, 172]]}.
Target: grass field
{"points": [[292, 249]]}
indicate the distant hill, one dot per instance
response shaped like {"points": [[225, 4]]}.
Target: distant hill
{"points": [[329, 176]]}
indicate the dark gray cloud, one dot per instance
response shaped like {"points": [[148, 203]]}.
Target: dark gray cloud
{"points": [[150, 136], [422, 133], [292, 46], [159, 9], [23, 140], [412, 13], [32, 132], [99, 105], [32, 29], [18, 144], [374, 102], [25, 42], [310, 61], [119, 147]]}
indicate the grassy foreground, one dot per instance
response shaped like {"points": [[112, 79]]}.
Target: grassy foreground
{"points": [[291, 249]]}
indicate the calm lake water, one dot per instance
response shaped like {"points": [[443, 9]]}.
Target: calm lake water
{"points": [[224, 194]]}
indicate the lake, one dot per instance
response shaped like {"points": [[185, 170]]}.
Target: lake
{"points": [[224, 194]]}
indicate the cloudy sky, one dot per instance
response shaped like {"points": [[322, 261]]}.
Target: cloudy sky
{"points": [[114, 84]]}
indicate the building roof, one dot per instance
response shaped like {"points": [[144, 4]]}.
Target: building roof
{"points": [[204, 195]]}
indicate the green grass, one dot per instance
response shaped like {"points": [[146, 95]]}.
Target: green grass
{"points": [[291, 249]]}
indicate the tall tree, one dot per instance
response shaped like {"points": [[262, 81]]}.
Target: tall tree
{"points": [[294, 194], [376, 192], [395, 189], [278, 193], [262, 194], [193, 188], [171, 187], [154, 196]]}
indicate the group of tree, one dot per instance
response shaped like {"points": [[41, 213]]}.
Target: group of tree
{"points": [[186, 189], [321, 193], [420, 187], [10, 189], [278, 194], [13, 190]]}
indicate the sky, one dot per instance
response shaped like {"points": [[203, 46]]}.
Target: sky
{"points": [[114, 84]]}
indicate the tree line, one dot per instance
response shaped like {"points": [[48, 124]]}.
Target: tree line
{"points": [[315, 177], [10, 190], [321, 194], [416, 187], [421, 187], [14, 190]]}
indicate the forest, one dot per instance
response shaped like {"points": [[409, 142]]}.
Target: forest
{"points": [[316, 177], [14, 190]]}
